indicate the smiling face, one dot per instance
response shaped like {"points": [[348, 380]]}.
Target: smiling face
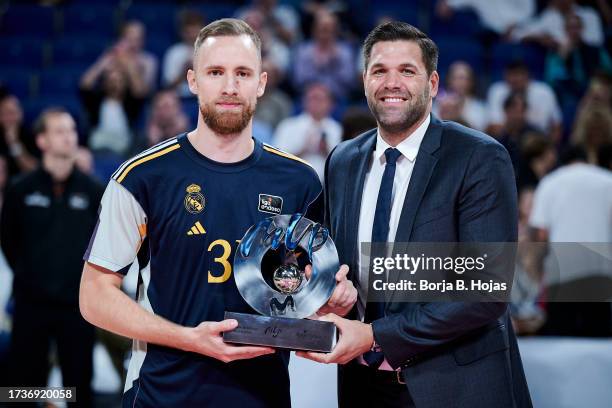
{"points": [[397, 86], [227, 79]]}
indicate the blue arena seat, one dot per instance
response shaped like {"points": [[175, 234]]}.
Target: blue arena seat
{"points": [[77, 49], [215, 11], [21, 51], [454, 49], [100, 19], [157, 44], [406, 11], [158, 18], [17, 80], [34, 106], [462, 23], [60, 81], [503, 53], [28, 19]]}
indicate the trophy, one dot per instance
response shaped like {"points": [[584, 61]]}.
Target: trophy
{"points": [[269, 273]]}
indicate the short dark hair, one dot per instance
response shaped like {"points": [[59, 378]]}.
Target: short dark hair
{"points": [[516, 65], [573, 154], [400, 31], [226, 27], [513, 98], [40, 124], [534, 145]]}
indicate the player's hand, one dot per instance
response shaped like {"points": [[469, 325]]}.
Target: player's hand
{"points": [[206, 339], [344, 295], [355, 339]]}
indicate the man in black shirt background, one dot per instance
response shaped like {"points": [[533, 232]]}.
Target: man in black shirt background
{"points": [[47, 219]]}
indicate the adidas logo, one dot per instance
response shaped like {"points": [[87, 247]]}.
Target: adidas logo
{"points": [[197, 229]]}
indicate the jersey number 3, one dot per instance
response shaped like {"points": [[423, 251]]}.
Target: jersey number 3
{"points": [[223, 260]]}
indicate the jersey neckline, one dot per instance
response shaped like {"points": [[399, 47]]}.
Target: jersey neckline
{"points": [[234, 167]]}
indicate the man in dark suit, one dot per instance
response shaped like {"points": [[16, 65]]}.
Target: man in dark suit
{"points": [[418, 179]]}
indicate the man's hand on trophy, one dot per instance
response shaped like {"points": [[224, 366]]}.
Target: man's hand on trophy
{"points": [[344, 295], [355, 339], [207, 339]]}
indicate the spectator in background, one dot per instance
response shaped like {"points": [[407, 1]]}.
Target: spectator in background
{"points": [[84, 161], [574, 204], [598, 94], [167, 119], [543, 110], [325, 59], [548, 29], [279, 20], [355, 121], [593, 130], [570, 66], [458, 101], [538, 156], [113, 93], [130, 49], [275, 105], [178, 58], [46, 220], [312, 134], [515, 127], [273, 50], [499, 16], [527, 314], [16, 142], [4, 179]]}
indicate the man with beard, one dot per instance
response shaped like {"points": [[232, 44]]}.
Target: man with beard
{"points": [[177, 211], [418, 179]]}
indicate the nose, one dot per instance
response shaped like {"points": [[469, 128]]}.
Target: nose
{"points": [[230, 85], [392, 80]]}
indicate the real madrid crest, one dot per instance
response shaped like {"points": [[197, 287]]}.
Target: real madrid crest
{"points": [[194, 200]]}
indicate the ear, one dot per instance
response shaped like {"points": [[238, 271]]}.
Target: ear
{"points": [[263, 80], [434, 81], [191, 81], [363, 77], [41, 142]]}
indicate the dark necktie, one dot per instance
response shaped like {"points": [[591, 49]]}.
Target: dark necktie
{"points": [[380, 233]]}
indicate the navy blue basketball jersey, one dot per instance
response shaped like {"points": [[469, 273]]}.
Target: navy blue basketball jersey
{"points": [[181, 215]]}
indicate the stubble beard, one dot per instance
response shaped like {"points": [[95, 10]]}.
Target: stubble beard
{"points": [[416, 109]]}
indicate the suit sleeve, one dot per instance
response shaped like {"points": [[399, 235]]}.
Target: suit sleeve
{"points": [[487, 212]]}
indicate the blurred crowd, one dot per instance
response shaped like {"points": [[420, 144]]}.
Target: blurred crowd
{"points": [[534, 74]]}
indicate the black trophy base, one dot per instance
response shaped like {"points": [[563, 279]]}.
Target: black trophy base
{"points": [[281, 332]]}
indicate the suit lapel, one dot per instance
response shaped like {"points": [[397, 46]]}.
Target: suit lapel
{"points": [[352, 209], [424, 166]]}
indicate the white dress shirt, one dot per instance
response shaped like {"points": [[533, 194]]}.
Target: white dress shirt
{"points": [[409, 148]]}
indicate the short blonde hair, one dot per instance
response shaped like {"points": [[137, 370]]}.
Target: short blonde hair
{"points": [[227, 27]]}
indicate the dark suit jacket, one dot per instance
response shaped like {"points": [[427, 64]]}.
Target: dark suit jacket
{"points": [[462, 188]]}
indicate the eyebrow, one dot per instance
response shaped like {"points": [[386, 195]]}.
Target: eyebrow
{"points": [[404, 65], [220, 67]]}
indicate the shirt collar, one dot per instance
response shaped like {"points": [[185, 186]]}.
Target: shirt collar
{"points": [[409, 147]]}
